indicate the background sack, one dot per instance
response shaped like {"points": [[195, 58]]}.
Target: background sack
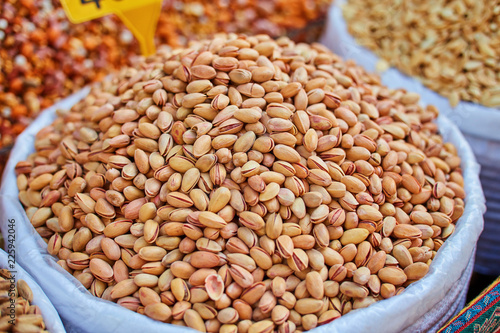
{"points": [[480, 125], [82, 312], [52, 321]]}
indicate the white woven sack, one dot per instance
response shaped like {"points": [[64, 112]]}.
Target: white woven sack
{"points": [[52, 321], [480, 125], [85, 313]]}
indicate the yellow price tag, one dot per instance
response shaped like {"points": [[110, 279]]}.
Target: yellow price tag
{"points": [[140, 16]]}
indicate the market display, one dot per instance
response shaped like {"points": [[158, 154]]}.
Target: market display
{"points": [[452, 47], [28, 317], [244, 184], [44, 57]]}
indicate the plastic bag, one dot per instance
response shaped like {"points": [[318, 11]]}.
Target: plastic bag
{"points": [[471, 118], [85, 313], [52, 321]]}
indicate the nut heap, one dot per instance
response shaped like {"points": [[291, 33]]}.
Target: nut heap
{"points": [[452, 46], [244, 184], [27, 317]]}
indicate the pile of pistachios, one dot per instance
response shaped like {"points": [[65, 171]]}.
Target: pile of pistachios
{"points": [[244, 184]]}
